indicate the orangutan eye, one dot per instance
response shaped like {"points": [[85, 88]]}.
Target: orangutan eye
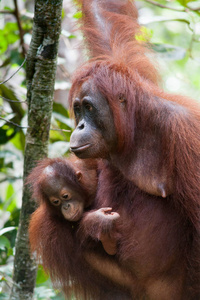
{"points": [[77, 109], [56, 202], [87, 104], [65, 196], [88, 107]]}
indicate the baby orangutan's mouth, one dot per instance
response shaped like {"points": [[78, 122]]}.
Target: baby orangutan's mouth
{"points": [[71, 213]]}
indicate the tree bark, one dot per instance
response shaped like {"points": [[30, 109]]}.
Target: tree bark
{"points": [[41, 68]]}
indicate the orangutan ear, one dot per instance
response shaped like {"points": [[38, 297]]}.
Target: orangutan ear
{"points": [[79, 175]]}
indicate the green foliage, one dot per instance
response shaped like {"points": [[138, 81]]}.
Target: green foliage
{"points": [[144, 35], [9, 35], [11, 160], [170, 52], [175, 36], [12, 143], [44, 289], [4, 243], [77, 15]]}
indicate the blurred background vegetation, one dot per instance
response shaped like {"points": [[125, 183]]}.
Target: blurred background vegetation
{"points": [[173, 28]]}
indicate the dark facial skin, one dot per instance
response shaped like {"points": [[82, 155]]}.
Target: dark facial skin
{"points": [[94, 135], [69, 202]]}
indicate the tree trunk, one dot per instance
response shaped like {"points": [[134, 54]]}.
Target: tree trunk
{"points": [[41, 68]]}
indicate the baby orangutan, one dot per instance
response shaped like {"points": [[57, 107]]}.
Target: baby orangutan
{"points": [[67, 217], [66, 188], [59, 187]]}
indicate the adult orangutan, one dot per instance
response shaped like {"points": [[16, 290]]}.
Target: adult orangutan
{"points": [[151, 140]]}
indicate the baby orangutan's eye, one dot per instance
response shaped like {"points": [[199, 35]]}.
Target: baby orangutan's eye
{"points": [[55, 202], [65, 196]]}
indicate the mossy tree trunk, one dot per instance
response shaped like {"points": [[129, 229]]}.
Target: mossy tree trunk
{"points": [[41, 68]]}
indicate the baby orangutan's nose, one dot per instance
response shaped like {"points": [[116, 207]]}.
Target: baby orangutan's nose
{"points": [[66, 206]]}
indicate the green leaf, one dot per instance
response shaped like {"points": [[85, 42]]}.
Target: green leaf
{"points": [[72, 36], [60, 120], [170, 52], [7, 229], [10, 26], [4, 243], [16, 58], [67, 34], [7, 8], [9, 192], [12, 38], [77, 15], [19, 140], [144, 34], [183, 2], [9, 34], [67, 121], [194, 4], [4, 43], [63, 14], [59, 108], [1, 162], [11, 155], [41, 275], [9, 252], [4, 137], [12, 204], [6, 118]]}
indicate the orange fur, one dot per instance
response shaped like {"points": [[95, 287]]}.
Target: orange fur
{"points": [[120, 67]]}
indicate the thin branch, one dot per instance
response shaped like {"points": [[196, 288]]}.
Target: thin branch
{"points": [[10, 178], [170, 20], [194, 9], [14, 73], [172, 8], [9, 100], [12, 12], [164, 6], [63, 130], [17, 16], [21, 32], [26, 127], [192, 39], [15, 124]]}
